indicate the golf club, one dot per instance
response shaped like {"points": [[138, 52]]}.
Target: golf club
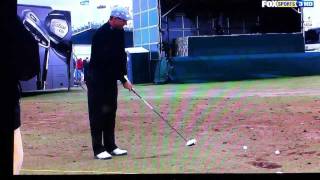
{"points": [[33, 24], [190, 142], [58, 28]]}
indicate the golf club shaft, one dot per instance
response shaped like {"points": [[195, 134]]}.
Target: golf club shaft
{"points": [[45, 68], [158, 114], [152, 110]]}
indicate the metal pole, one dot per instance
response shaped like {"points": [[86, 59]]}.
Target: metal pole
{"points": [[302, 22]]}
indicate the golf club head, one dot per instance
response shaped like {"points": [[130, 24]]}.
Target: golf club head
{"points": [[191, 142], [33, 24], [59, 30], [57, 25]]}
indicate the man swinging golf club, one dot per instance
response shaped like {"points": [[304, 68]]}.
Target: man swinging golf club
{"points": [[107, 65]]}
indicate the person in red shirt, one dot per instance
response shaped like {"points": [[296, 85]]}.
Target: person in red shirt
{"points": [[79, 70]]}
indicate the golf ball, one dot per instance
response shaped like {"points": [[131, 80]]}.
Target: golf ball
{"points": [[277, 152], [245, 147]]}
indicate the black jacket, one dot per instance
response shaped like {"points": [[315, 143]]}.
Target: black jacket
{"points": [[108, 58], [21, 63]]}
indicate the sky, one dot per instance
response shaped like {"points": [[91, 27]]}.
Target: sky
{"points": [[82, 14]]}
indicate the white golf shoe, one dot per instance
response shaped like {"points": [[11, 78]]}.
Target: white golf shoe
{"points": [[103, 156], [119, 152]]}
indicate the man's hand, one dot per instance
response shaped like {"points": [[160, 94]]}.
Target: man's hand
{"points": [[127, 85]]}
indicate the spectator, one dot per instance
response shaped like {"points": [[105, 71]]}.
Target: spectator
{"points": [[79, 70], [85, 69]]}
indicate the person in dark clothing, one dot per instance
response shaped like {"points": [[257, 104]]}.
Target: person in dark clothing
{"points": [[107, 65], [85, 69], [22, 64], [7, 90]]}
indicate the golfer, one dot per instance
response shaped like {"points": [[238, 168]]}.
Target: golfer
{"points": [[107, 65]]}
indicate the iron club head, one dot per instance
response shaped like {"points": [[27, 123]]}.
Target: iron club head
{"points": [[59, 30], [34, 25], [191, 142]]}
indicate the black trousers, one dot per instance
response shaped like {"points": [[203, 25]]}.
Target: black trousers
{"points": [[6, 152], [102, 104], [10, 121]]}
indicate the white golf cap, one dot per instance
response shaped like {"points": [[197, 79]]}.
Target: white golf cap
{"points": [[121, 12]]}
